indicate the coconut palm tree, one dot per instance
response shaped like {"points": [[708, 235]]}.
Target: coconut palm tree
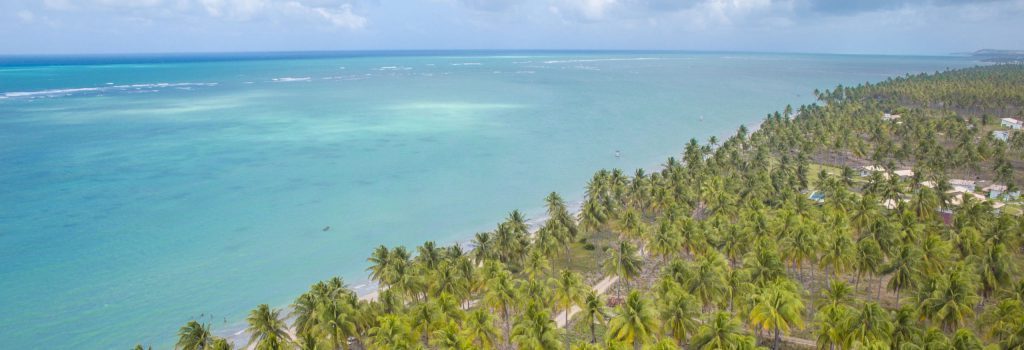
{"points": [[680, 315], [267, 330], [1001, 320], [868, 259], [832, 327], [501, 295], [903, 268], [721, 331], [708, 281], [951, 300], [336, 321], [378, 260], [194, 336], [448, 338], [535, 330], [665, 241], [569, 291], [635, 322], [871, 324], [392, 332], [480, 329], [593, 312], [624, 262], [777, 308], [424, 318]]}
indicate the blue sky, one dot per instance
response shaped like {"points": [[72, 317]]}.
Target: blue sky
{"points": [[838, 26]]}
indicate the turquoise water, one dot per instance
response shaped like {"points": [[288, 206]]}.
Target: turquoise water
{"points": [[138, 193]]}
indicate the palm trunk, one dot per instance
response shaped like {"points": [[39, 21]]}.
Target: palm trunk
{"points": [[593, 332], [879, 297], [775, 343]]}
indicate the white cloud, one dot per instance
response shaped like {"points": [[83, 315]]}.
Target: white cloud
{"points": [[340, 16], [26, 16], [233, 9], [592, 10], [129, 3], [61, 5]]}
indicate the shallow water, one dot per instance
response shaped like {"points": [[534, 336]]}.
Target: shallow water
{"points": [[136, 194]]}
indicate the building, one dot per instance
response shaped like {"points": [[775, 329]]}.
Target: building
{"points": [[817, 197], [1001, 135], [868, 169], [1000, 192], [904, 173], [890, 117], [1012, 123], [929, 184], [967, 185]]}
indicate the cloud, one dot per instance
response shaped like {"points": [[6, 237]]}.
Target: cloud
{"points": [[340, 16], [488, 5], [591, 10], [233, 9], [61, 5], [26, 16], [848, 7]]}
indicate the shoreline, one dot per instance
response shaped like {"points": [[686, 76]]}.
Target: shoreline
{"points": [[367, 290]]}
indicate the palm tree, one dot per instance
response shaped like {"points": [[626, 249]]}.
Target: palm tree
{"points": [[480, 329], [832, 327], [995, 268], [307, 341], [778, 308], [708, 282], [905, 329], [336, 321], [535, 330], [871, 324], [392, 332], [501, 295], [623, 262], [965, 339], [679, 316], [483, 247], [378, 262], [635, 322], [218, 344], [721, 331], [535, 264], [665, 241], [838, 254], [569, 291], [1002, 319], [267, 330], [951, 300], [424, 319], [194, 336], [903, 268], [868, 257], [593, 312], [448, 338]]}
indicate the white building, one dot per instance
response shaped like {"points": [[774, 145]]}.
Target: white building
{"points": [[890, 117], [968, 185], [999, 192], [868, 169], [904, 173], [1012, 123], [1001, 135]]}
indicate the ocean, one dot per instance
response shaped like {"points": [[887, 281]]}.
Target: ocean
{"points": [[139, 192]]}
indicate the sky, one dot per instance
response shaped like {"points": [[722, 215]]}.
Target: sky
{"points": [[821, 26]]}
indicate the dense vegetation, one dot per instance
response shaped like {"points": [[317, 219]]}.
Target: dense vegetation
{"points": [[722, 249]]}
